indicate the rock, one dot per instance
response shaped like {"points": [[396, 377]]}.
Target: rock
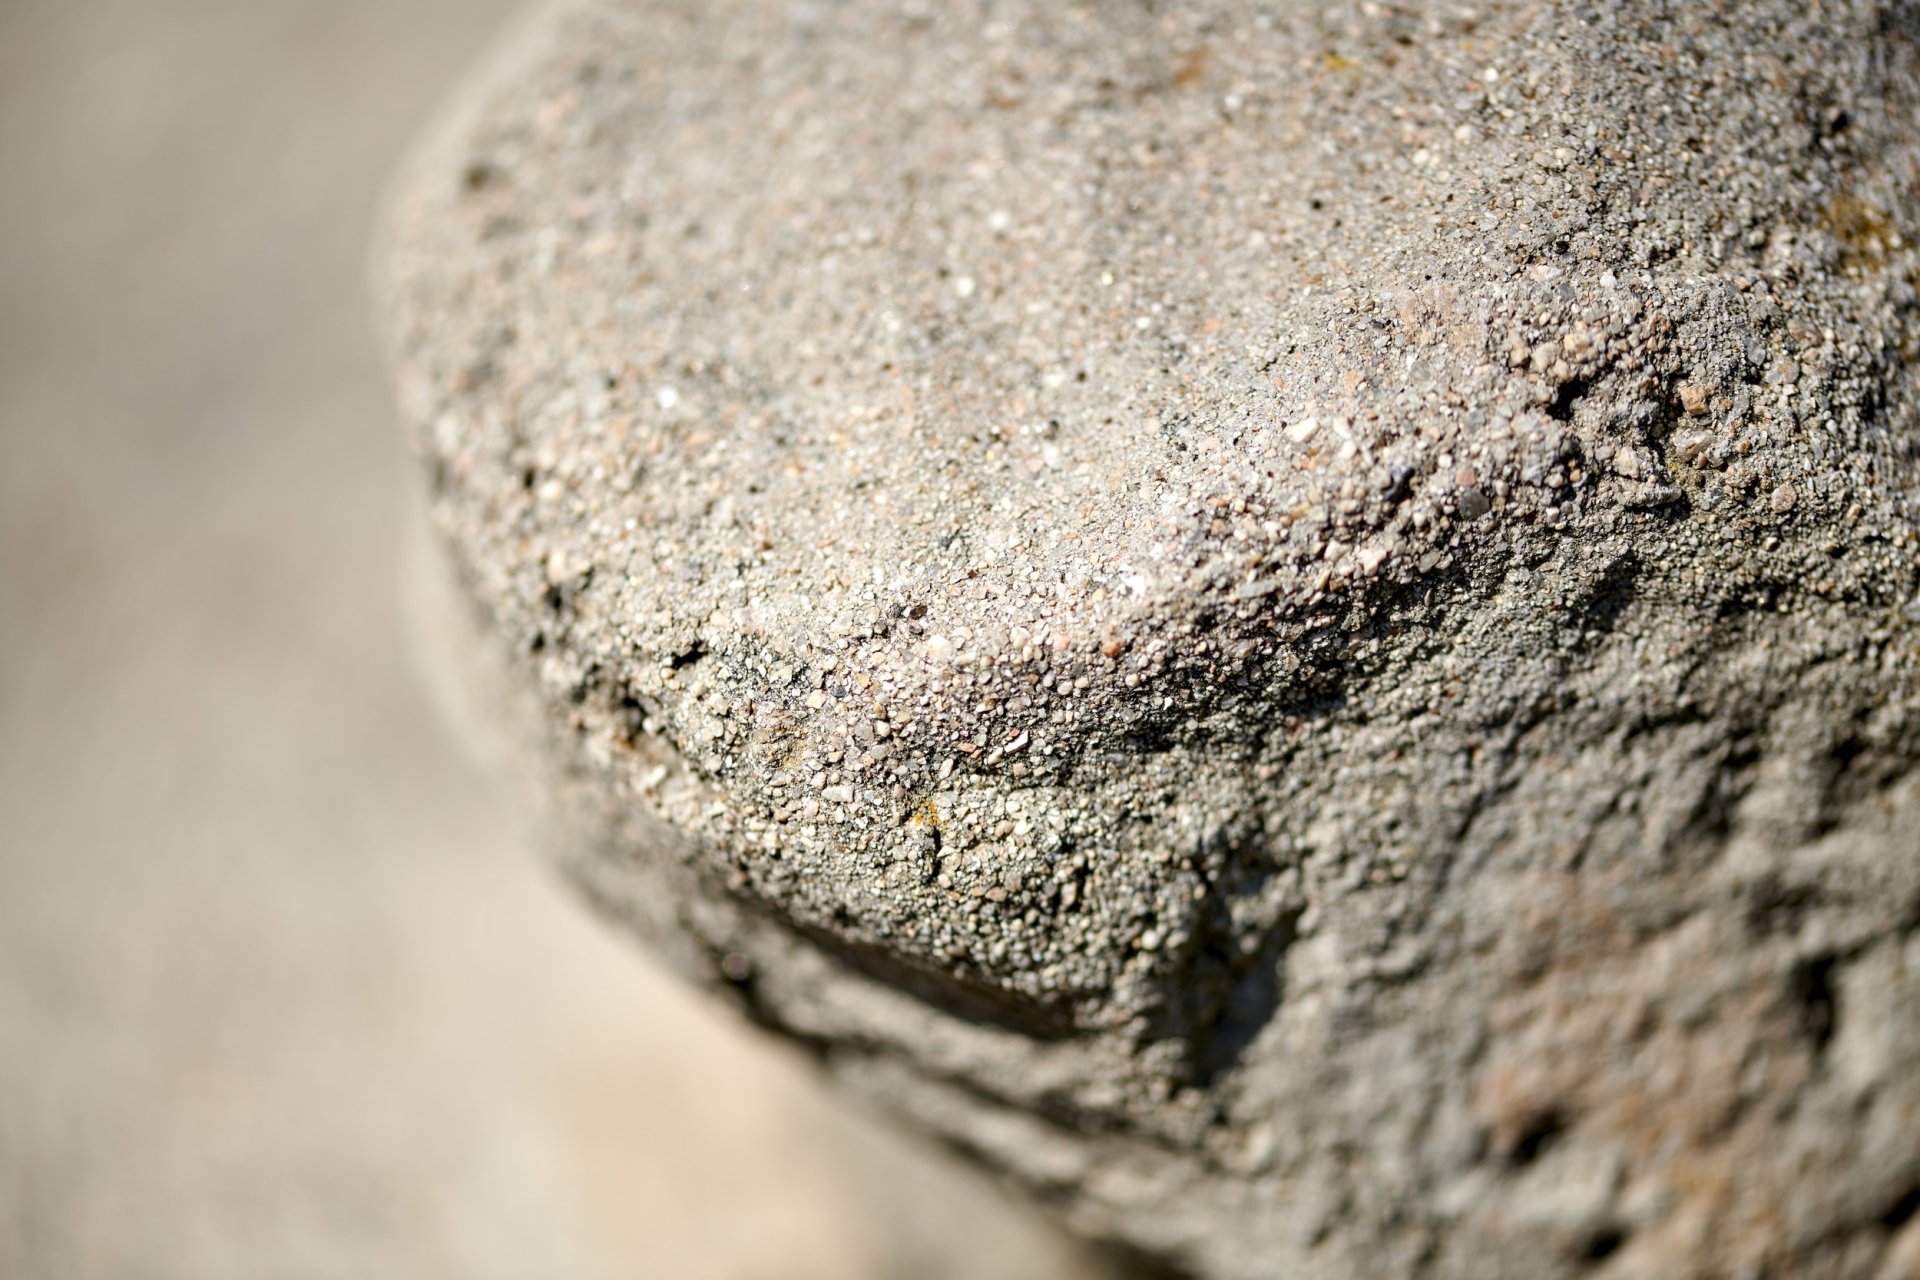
{"points": [[1538, 884]]}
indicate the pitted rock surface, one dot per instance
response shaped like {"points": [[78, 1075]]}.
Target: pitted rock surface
{"points": [[1296, 622]]}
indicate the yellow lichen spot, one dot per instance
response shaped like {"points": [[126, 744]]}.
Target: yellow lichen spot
{"points": [[925, 814], [1334, 62], [1865, 233]]}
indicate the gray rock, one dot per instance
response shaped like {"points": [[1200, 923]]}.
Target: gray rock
{"points": [[1284, 620]]}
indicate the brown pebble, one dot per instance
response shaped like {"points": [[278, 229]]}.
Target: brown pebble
{"points": [[1783, 499], [1693, 398]]}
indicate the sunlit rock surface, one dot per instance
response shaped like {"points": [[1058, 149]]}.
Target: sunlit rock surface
{"points": [[1295, 622]]}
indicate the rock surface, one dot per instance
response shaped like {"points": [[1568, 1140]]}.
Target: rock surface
{"points": [[1296, 623]]}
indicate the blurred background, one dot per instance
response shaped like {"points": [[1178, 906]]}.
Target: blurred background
{"points": [[281, 992]]}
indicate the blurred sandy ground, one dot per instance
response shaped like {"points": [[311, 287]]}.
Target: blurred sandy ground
{"points": [[280, 993]]}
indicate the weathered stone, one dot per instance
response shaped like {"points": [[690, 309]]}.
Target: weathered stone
{"points": [[1291, 621]]}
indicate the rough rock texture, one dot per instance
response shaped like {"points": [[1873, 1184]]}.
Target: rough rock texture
{"points": [[1297, 622]]}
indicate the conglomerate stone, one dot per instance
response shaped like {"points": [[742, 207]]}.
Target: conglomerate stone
{"points": [[1295, 622]]}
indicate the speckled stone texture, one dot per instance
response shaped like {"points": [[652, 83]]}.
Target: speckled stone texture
{"points": [[1295, 622]]}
